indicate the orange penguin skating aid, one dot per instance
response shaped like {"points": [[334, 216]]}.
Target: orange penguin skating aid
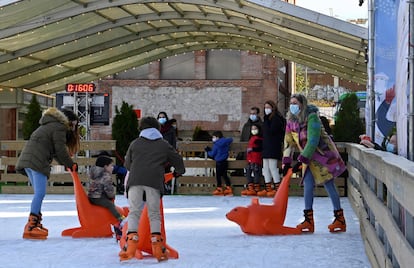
{"points": [[258, 219]]}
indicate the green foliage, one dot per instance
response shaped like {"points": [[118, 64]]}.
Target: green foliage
{"points": [[31, 121], [124, 127], [348, 125], [302, 82]]}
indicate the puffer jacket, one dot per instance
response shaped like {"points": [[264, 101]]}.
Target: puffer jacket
{"points": [[46, 143], [100, 183]]}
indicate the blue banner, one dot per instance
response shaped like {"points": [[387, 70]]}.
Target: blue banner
{"points": [[385, 66]]}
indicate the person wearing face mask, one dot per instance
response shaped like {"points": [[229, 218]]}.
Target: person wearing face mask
{"points": [[273, 134], [169, 134], [254, 161], [254, 118], [318, 156], [167, 129], [389, 143], [220, 153]]}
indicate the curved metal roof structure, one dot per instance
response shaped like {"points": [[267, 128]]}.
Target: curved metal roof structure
{"points": [[45, 44]]}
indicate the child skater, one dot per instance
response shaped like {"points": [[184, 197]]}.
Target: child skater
{"points": [[145, 160], [101, 191], [254, 161], [220, 153]]}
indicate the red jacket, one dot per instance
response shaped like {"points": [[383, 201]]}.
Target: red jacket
{"points": [[255, 155]]}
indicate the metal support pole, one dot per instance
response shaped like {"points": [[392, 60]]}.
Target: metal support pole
{"points": [[371, 68], [411, 83]]}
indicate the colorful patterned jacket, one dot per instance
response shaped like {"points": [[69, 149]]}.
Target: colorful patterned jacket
{"points": [[317, 150]]}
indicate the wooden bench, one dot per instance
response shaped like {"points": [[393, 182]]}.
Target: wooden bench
{"points": [[60, 181]]}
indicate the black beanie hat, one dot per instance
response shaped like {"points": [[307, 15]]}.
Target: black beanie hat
{"points": [[149, 122], [103, 161]]}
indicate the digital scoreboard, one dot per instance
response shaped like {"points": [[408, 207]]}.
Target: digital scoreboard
{"points": [[80, 87]]}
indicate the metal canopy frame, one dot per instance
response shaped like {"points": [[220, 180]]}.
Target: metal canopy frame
{"points": [[46, 44]]}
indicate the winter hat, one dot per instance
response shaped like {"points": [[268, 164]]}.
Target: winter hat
{"points": [[149, 122], [103, 161]]}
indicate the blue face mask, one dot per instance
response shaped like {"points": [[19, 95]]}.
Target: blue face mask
{"points": [[162, 120], [294, 109], [253, 117], [390, 148]]}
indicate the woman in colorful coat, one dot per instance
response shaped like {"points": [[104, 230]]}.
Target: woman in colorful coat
{"points": [[318, 156]]}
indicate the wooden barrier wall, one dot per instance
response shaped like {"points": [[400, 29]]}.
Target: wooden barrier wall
{"points": [[59, 181], [198, 180], [381, 190], [203, 182]]}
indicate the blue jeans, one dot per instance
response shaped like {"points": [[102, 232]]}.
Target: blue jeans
{"points": [[309, 184], [39, 183]]}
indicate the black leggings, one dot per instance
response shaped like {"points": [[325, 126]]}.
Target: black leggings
{"points": [[221, 171]]}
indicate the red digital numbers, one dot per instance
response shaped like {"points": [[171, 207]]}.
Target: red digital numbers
{"points": [[80, 87]]}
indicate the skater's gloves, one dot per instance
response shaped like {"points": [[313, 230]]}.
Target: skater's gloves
{"points": [[286, 169], [176, 175], [297, 167], [74, 168], [207, 148]]}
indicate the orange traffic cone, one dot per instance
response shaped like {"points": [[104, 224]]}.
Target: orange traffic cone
{"points": [[95, 221]]}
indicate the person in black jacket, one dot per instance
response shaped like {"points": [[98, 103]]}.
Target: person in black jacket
{"points": [[273, 135]]}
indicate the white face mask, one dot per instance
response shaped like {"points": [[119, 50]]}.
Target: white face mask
{"points": [[268, 111], [255, 131], [214, 139], [162, 120], [253, 117]]}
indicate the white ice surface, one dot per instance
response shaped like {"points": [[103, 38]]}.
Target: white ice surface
{"points": [[196, 227]]}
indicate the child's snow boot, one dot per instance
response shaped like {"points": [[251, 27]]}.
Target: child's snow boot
{"points": [[32, 230], [128, 251], [273, 191], [263, 193], [228, 191], [257, 187], [307, 226], [218, 191], [249, 191], [338, 225], [159, 250]]}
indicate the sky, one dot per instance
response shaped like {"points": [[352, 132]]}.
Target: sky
{"points": [[341, 9], [196, 227]]}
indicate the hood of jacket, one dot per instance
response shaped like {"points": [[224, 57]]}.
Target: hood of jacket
{"points": [[52, 115]]}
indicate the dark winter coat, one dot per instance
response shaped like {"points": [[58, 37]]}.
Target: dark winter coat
{"points": [[46, 143], [100, 183], [273, 129], [245, 133], [220, 150], [146, 160], [168, 133]]}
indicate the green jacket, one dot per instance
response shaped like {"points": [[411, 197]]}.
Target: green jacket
{"points": [[46, 143]]}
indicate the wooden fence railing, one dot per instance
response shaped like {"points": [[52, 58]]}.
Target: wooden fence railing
{"points": [[198, 180], [60, 181]]}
